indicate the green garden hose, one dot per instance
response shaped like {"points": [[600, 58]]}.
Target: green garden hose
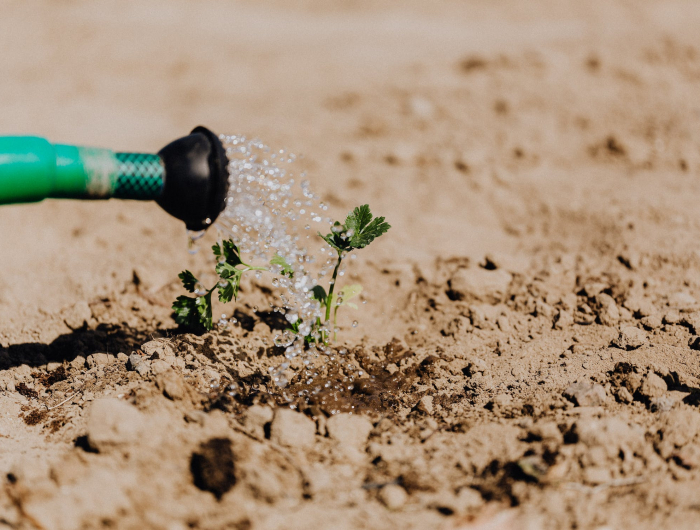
{"points": [[188, 177]]}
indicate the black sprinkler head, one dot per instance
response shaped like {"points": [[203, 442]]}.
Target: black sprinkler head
{"points": [[196, 178]]}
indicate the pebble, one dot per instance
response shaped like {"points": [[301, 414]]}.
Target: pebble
{"points": [[640, 306], [172, 385], [78, 362], [476, 366], [77, 316], [98, 359], [113, 423], [682, 301], [672, 317], [630, 338], [585, 394], [157, 349], [349, 429], [159, 366], [292, 429], [608, 314], [652, 386], [651, 322], [426, 404], [563, 320], [393, 496], [484, 285], [256, 417]]}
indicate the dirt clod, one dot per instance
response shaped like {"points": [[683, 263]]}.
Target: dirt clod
{"points": [[585, 394]]}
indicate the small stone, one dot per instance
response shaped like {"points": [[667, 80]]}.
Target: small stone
{"points": [[682, 301], [652, 386], [391, 368], [349, 429], [393, 496], [292, 429], [98, 359], [489, 286], [672, 317], [661, 404], [256, 417], [158, 349], [651, 322], [159, 366], [113, 423], [78, 363], [425, 404], [143, 369], [640, 306], [593, 289], [134, 360], [476, 366], [608, 314], [172, 385], [122, 357], [77, 316], [563, 320], [51, 367], [585, 394], [623, 395], [502, 400], [630, 338]]}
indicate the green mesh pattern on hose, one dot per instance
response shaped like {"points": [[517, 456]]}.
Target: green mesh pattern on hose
{"points": [[140, 176]]}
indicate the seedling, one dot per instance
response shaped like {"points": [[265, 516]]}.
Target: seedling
{"points": [[358, 231]]}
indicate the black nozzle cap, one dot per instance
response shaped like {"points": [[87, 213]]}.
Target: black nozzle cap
{"points": [[196, 178]]}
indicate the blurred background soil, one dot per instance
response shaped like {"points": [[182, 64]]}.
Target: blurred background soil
{"points": [[532, 318]]}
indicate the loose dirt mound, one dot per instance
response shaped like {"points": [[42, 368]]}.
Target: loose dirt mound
{"points": [[528, 354]]}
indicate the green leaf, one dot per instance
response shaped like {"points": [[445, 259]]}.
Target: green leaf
{"points": [[281, 262], [334, 239], [319, 293], [225, 270], [229, 251], [194, 312], [362, 228], [188, 280], [229, 291], [346, 294]]}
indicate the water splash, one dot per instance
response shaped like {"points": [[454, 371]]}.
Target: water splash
{"points": [[271, 209]]}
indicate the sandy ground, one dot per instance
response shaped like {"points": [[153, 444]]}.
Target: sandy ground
{"points": [[532, 317]]}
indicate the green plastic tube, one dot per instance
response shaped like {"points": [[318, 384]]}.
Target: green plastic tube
{"points": [[33, 169]]}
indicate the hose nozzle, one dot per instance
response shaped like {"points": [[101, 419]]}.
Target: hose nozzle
{"points": [[188, 178]]}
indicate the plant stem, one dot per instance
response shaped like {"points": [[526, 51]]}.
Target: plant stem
{"points": [[329, 298]]}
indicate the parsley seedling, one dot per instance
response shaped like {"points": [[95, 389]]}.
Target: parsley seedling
{"points": [[358, 231]]}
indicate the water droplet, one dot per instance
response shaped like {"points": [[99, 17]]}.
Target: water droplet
{"points": [[354, 323], [285, 339]]}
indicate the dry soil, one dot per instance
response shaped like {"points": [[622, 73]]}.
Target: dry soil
{"points": [[528, 357]]}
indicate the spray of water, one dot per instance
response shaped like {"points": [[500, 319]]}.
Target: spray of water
{"points": [[270, 209]]}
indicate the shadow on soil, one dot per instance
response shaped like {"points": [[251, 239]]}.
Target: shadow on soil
{"points": [[105, 338]]}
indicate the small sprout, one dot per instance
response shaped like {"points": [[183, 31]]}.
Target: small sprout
{"points": [[358, 231]]}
